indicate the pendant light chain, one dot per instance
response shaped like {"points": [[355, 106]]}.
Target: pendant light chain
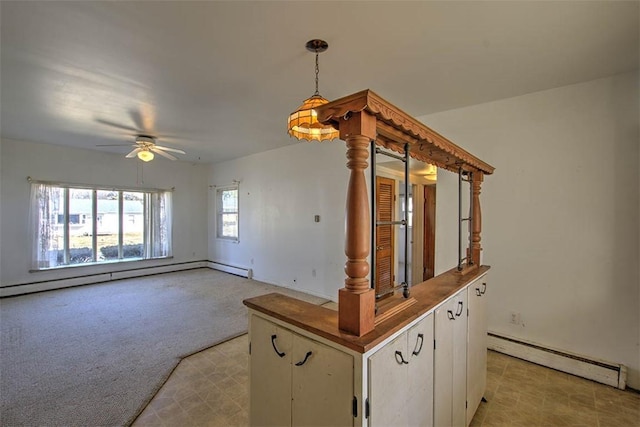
{"points": [[317, 72]]}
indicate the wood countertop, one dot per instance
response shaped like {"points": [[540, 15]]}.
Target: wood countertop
{"points": [[324, 322]]}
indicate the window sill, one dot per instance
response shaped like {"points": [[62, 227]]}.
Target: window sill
{"points": [[96, 264]]}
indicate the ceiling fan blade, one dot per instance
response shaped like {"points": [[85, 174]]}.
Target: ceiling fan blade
{"points": [[163, 154], [173, 150], [113, 145], [133, 153]]}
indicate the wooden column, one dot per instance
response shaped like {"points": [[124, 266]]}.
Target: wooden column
{"points": [[356, 301], [476, 248]]}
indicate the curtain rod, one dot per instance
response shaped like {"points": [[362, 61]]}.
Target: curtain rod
{"points": [[97, 187], [233, 182]]}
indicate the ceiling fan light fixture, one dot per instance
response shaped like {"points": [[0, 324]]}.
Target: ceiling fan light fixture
{"points": [[145, 155], [303, 123]]}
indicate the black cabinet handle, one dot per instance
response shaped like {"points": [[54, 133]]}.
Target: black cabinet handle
{"points": [[273, 343], [484, 288], [450, 315], [302, 362], [478, 292], [419, 349], [401, 360], [460, 306]]}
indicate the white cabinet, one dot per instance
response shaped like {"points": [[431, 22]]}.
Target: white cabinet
{"points": [[296, 380], [477, 345], [401, 379], [431, 371], [450, 361], [270, 370]]}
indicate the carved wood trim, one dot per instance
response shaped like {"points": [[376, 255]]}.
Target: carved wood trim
{"points": [[395, 125]]}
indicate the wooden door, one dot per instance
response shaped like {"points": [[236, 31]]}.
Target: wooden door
{"points": [[322, 385], [270, 373], [385, 205], [429, 231]]}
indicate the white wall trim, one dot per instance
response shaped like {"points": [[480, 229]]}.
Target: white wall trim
{"points": [[609, 373]]}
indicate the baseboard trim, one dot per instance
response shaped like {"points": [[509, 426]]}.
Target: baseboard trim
{"points": [[232, 269], [596, 370], [89, 279]]}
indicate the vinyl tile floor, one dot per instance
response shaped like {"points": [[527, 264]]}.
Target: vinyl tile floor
{"points": [[210, 388]]}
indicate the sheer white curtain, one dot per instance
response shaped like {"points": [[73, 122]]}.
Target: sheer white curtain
{"points": [[46, 205], [160, 221]]}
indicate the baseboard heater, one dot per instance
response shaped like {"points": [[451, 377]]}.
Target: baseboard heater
{"points": [[596, 370], [232, 269]]}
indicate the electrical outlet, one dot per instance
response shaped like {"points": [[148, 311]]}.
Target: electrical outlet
{"points": [[515, 318]]}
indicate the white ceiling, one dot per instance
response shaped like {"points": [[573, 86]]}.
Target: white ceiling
{"points": [[218, 79]]}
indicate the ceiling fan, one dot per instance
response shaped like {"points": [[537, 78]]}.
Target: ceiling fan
{"points": [[142, 118], [146, 146]]}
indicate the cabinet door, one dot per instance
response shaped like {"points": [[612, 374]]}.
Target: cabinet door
{"points": [[322, 384], [450, 362], [459, 399], [477, 346], [388, 384], [270, 373], [420, 371], [443, 364]]}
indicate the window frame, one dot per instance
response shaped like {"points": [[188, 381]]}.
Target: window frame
{"points": [[43, 249], [220, 212]]}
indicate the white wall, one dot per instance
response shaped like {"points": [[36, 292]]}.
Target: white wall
{"points": [[46, 162], [280, 192], [560, 214]]}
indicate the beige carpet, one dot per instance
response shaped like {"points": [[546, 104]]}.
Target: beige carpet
{"points": [[95, 355]]}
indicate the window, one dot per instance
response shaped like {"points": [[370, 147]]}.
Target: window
{"points": [[227, 213], [80, 225]]}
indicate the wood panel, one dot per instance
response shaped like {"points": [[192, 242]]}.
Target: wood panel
{"points": [[384, 256]]}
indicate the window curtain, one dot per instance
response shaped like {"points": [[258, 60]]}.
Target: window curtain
{"points": [[160, 221], [46, 205]]}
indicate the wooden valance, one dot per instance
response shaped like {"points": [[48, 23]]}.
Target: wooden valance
{"points": [[395, 128]]}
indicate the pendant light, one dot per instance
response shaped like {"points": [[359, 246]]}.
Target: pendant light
{"points": [[303, 123]]}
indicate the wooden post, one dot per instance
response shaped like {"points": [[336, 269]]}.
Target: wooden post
{"points": [[356, 301], [476, 248]]}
